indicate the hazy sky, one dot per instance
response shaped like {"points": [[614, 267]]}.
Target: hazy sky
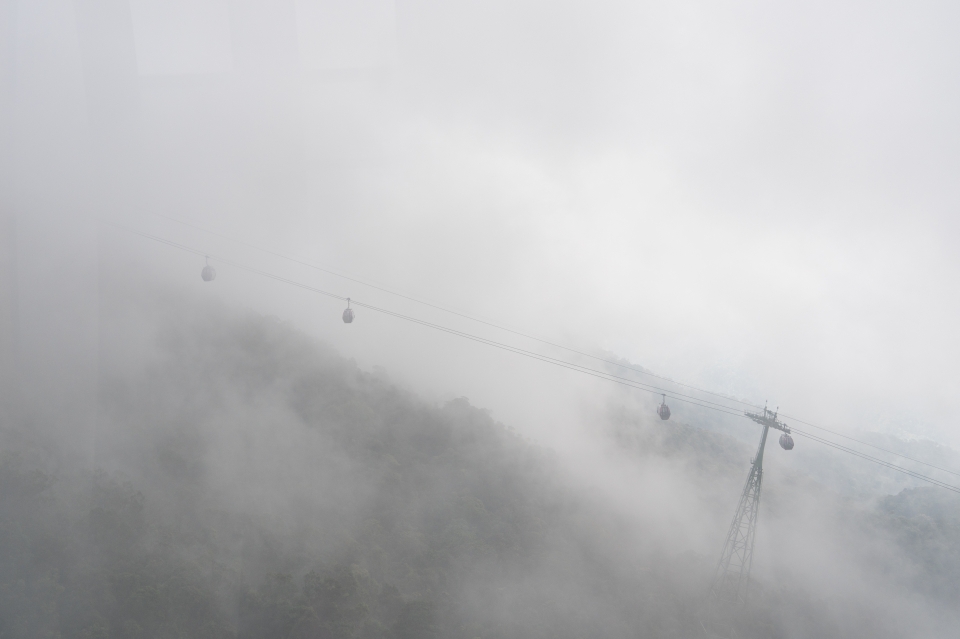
{"points": [[758, 198]]}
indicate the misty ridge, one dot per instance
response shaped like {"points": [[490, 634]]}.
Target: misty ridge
{"points": [[251, 482], [758, 200]]}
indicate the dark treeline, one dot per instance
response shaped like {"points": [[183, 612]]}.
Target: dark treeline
{"points": [[250, 483]]}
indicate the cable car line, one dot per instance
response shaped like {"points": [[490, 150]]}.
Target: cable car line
{"points": [[550, 360], [453, 312], [515, 349], [500, 345], [538, 339], [800, 421], [876, 460]]}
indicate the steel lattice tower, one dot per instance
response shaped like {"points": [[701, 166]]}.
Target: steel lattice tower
{"points": [[732, 576]]}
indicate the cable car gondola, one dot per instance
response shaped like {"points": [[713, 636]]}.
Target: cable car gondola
{"points": [[208, 274], [663, 410], [786, 441], [348, 313]]}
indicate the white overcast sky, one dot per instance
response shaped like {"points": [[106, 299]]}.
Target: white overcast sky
{"points": [[758, 197]]}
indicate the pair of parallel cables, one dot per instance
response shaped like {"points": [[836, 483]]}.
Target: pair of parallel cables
{"points": [[586, 370]]}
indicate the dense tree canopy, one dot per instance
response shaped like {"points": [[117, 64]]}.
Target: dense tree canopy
{"points": [[256, 485]]}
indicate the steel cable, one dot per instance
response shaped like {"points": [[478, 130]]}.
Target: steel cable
{"points": [[565, 364]]}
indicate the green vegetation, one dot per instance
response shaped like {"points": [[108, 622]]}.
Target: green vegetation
{"points": [[260, 486]]}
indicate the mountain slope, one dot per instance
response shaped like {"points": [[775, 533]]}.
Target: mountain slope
{"points": [[256, 484]]}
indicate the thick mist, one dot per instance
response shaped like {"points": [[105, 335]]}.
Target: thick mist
{"points": [[250, 481], [754, 200]]}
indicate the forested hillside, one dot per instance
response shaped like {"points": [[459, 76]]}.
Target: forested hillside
{"points": [[251, 483]]}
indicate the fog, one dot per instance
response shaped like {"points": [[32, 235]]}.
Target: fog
{"points": [[755, 200]]}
